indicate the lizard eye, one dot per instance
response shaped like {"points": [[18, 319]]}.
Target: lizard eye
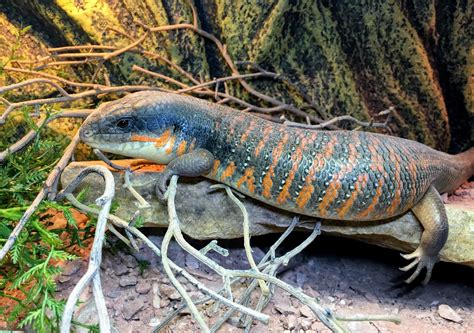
{"points": [[123, 123]]}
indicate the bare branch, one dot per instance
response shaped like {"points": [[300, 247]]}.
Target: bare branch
{"points": [[95, 258]]}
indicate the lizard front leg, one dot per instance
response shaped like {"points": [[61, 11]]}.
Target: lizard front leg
{"points": [[431, 213], [192, 164]]}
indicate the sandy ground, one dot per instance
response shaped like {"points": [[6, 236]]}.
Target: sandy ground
{"points": [[348, 277]]}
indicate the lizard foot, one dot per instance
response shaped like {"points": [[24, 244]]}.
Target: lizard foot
{"points": [[421, 260]]}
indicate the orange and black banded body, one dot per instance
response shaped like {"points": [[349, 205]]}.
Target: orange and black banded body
{"points": [[342, 175]]}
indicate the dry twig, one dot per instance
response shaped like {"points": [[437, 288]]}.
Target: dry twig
{"points": [[95, 258], [263, 105]]}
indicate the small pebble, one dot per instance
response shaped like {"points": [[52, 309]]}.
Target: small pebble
{"points": [[284, 308], [120, 270], [129, 280], [156, 302], [130, 309], [290, 322], [143, 287], [446, 312], [306, 311], [306, 323]]}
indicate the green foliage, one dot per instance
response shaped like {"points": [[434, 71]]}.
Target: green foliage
{"points": [[27, 275], [19, 34]]}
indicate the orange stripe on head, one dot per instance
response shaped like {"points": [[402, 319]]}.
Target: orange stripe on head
{"points": [[182, 148], [228, 172], [163, 138], [170, 145], [142, 138]]}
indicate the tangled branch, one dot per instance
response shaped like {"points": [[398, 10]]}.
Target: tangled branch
{"points": [[31, 73]]}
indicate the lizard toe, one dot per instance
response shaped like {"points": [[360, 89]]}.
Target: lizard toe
{"points": [[410, 265], [421, 261]]}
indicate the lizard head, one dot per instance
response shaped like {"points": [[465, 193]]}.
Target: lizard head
{"points": [[139, 125]]}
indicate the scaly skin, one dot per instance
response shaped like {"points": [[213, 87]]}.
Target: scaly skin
{"points": [[341, 175]]}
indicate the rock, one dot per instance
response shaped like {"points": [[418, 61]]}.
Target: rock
{"points": [[130, 261], [169, 291], [143, 287], [213, 215], [305, 323], [130, 309], [120, 270], [156, 302], [446, 312], [114, 293], [72, 267], [128, 280], [290, 322], [306, 311], [64, 278], [284, 308], [154, 322]]}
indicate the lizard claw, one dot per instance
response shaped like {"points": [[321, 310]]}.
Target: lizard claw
{"points": [[421, 260]]}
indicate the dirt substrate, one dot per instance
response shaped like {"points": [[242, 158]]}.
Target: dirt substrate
{"points": [[347, 276]]}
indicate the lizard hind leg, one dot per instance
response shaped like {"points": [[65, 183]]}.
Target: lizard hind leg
{"points": [[192, 164], [431, 213]]}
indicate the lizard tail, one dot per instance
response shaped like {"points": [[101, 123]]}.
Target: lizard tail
{"points": [[457, 169], [466, 160]]}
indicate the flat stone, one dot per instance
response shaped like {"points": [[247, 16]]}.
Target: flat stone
{"points": [[128, 280], [72, 267], [120, 270], [447, 312], [305, 323], [306, 311], [114, 293], [130, 309], [205, 215], [169, 292], [64, 278], [284, 308], [130, 261], [143, 287], [156, 302], [291, 322]]}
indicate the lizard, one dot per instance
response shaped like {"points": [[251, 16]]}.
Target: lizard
{"points": [[337, 175]]}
